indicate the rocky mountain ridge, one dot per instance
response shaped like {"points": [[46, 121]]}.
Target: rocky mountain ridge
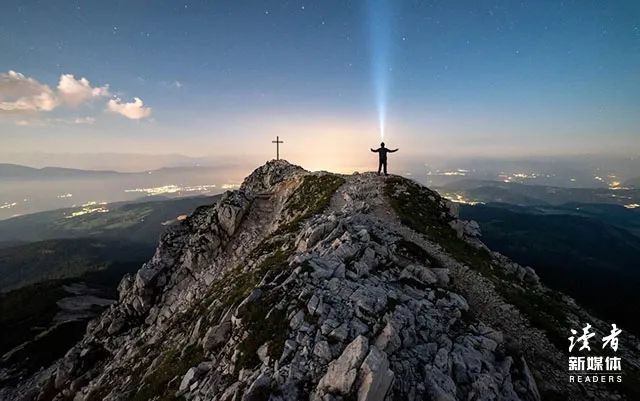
{"points": [[317, 286]]}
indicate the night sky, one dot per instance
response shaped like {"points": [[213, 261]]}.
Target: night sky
{"points": [[500, 78]]}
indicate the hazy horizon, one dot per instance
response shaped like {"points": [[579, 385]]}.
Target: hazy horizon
{"points": [[491, 79], [140, 162]]}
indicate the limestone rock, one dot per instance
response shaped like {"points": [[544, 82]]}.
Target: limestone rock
{"points": [[376, 376], [342, 372], [304, 285]]}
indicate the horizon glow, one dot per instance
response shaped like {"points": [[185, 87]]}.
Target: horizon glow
{"points": [[437, 79], [380, 40]]}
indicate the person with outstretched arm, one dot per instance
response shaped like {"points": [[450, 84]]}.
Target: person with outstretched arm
{"points": [[382, 157]]}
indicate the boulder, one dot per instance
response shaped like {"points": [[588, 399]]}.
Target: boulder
{"points": [[187, 379], [388, 340], [376, 377], [342, 372], [420, 273], [219, 334]]}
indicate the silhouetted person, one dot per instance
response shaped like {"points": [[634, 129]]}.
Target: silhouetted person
{"points": [[382, 157]]}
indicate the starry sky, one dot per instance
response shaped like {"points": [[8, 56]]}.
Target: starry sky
{"points": [[221, 78]]}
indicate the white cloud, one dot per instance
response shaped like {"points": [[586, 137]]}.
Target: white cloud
{"points": [[134, 110], [75, 91], [21, 94], [38, 122]]}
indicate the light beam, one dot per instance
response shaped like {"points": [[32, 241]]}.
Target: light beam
{"points": [[380, 33]]}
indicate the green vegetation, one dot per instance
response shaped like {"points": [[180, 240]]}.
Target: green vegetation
{"points": [[26, 316], [43, 349], [267, 324], [544, 311], [27, 311], [175, 363], [65, 258], [562, 246], [312, 197], [95, 248], [264, 324], [422, 210], [414, 252], [235, 285]]}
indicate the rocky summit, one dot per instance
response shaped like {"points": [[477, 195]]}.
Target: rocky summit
{"points": [[315, 286]]}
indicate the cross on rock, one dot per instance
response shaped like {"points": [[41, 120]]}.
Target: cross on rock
{"points": [[277, 142]]}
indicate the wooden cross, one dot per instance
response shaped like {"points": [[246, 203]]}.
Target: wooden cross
{"points": [[277, 142]]}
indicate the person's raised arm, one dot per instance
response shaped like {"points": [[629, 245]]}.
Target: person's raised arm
{"points": [[373, 150], [394, 150]]}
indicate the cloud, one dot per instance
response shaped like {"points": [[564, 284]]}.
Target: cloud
{"points": [[37, 122], [25, 95], [21, 94], [134, 110], [75, 91]]}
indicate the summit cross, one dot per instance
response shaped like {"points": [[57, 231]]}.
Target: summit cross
{"points": [[277, 142]]}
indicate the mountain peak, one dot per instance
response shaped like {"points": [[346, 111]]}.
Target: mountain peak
{"points": [[269, 174], [303, 285]]}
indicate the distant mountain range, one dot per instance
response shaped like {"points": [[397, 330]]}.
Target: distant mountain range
{"points": [[26, 190], [119, 161], [18, 172]]}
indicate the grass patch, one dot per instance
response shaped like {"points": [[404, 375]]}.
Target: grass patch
{"points": [[542, 311], [422, 210], [414, 252], [312, 197], [160, 385], [235, 285], [264, 324]]}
